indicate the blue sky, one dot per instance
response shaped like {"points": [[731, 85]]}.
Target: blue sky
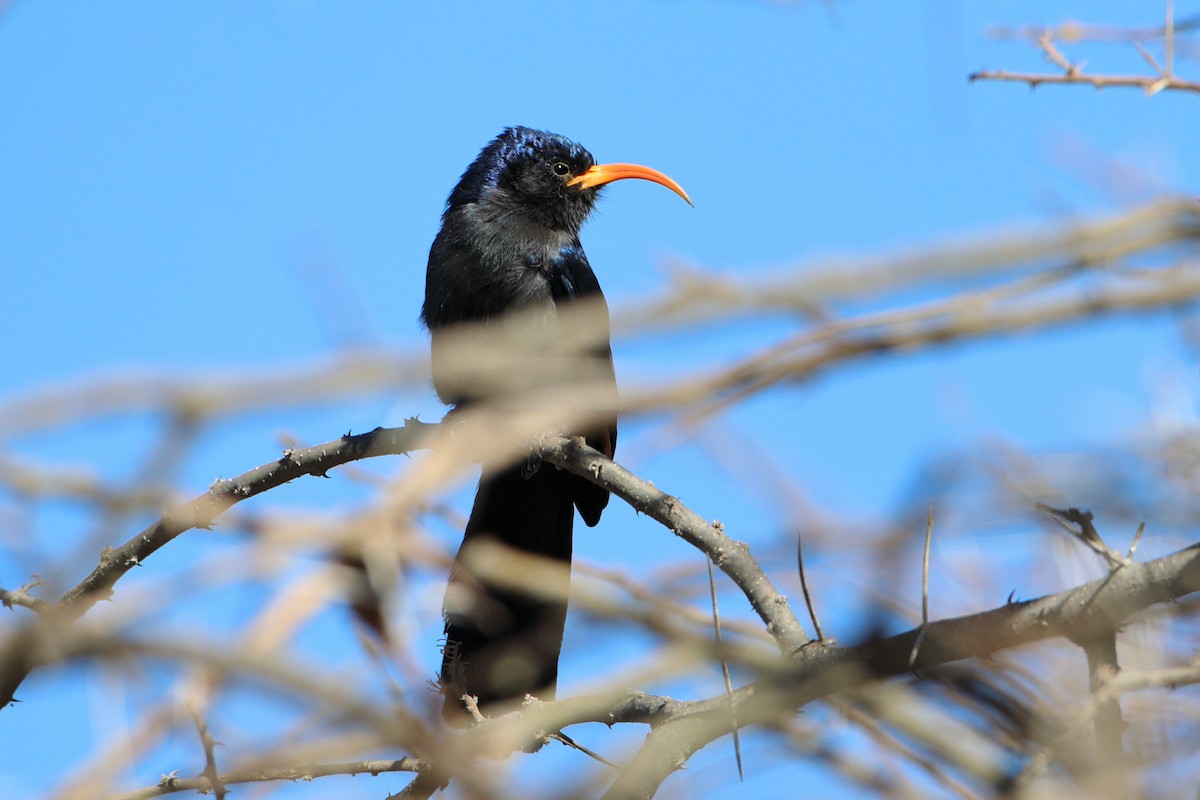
{"points": [[224, 187]]}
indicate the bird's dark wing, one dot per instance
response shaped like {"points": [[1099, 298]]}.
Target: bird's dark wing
{"points": [[502, 644], [571, 280]]}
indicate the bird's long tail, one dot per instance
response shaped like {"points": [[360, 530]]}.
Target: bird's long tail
{"points": [[503, 643]]}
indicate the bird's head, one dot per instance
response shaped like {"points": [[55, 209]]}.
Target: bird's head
{"points": [[546, 177]]}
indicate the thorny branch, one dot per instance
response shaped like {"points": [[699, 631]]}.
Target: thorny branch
{"points": [[199, 513], [1163, 77]]}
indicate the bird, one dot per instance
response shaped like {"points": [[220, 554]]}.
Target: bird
{"points": [[509, 243]]}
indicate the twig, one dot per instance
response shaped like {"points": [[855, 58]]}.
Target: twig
{"points": [[569, 742], [1085, 533], [1047, 45], [210, 757], [1137, 537], [808, 601], [422, 787], [639, 590], [716, 617], [1169, 40], [1126, 680], [21, 597], [924, 588], [1149, 59]]}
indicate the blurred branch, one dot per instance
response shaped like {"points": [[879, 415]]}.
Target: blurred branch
{"points": [[888, 740], [1091, 609], [682, 727], [1072, 32], [170, 784], [951, 740], [1085, 532], [730, 556], [1066, 251], [1014, 283], [1139, 680], [224, 494], [211, 774], [201, 397], [21, 597], [200, 513], [907, 331], [1038, 292], [1101, 652]]}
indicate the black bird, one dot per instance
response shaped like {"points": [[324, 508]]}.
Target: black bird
{"points": [[509, 242]]}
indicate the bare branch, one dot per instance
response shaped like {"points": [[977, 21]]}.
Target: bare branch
{"points": [[1092, 609], [1163, 77], [732, 557], [200, 513], [1150, 84], [170, 784]]}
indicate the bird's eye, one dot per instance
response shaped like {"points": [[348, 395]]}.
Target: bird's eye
{"points": [[560, 168]]}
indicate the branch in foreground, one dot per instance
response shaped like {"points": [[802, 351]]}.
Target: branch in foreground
{"points": [[680, 728], [224, 494], [812, 672], [1093, 609], [732, 557], [16, 663], [953, 322], [700, 297], [1097, 609], [171, 784]]}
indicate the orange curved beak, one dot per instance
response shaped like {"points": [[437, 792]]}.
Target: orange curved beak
{"points": [[607, 173]]}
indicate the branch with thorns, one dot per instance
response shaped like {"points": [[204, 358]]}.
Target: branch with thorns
{"points": [[1162, 79]]}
